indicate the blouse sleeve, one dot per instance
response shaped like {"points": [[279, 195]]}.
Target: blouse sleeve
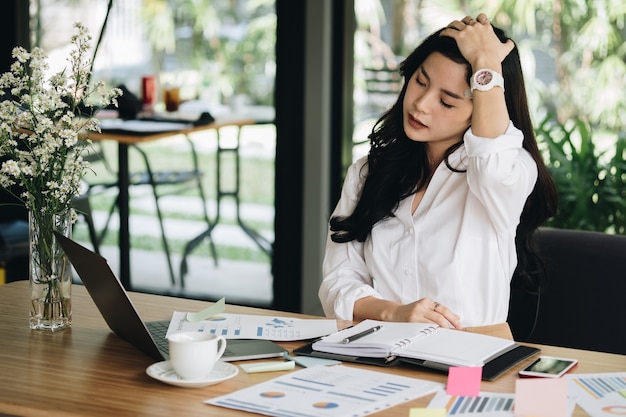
{"points": [[501, 174], [346, 278]]}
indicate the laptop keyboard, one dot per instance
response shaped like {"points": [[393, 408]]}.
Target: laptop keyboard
{"points": [[158, 330]]}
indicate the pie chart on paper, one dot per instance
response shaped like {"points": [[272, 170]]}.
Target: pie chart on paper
{"points": [[325, 405], [272, 394], [618, 410]]}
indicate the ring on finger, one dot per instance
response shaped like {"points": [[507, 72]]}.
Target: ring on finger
{"points": [[436, 305]]}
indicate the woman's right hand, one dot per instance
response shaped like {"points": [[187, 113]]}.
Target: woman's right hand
{"points": [[478, 42], [423, 311]]}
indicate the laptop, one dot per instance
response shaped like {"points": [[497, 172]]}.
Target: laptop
{"points": [[123, 319]]}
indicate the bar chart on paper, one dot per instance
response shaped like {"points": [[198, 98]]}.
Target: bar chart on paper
{"points": [[485, 404], [600, 394]]}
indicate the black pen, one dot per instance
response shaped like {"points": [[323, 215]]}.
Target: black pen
{"points": [[360, 335]]}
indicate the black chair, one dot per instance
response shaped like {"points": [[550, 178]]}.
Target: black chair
{"points": [[14, 250], [161, 182], [582, 305]]}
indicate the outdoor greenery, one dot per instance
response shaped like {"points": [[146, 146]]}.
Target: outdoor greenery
{"points": [[591, 183], [229, 43]]}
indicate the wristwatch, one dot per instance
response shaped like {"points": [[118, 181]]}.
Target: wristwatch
{"points": [[485, 79]]}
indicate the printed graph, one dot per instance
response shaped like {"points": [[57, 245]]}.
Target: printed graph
{"points": [[601, 385], [486, 403], [600, 394]]}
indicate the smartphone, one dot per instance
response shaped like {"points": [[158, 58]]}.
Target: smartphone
{"points": [[549, 367]]}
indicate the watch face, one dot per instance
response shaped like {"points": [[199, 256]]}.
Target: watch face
{"points": [[483, 78]]}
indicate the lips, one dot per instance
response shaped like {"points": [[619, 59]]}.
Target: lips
{"points": [[416, 123]]}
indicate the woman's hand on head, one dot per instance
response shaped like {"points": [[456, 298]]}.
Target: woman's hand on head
{"points": [[478, 42]]}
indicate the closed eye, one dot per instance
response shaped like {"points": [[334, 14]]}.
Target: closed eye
{"points": [[423, 84], [422, 72]]}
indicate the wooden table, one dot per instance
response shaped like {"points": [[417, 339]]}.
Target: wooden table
{"points": [[89, 371], [126, 139]]}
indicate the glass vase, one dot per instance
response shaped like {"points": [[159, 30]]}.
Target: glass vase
{"points": [[50, 272]]}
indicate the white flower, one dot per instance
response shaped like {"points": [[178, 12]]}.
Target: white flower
{"points": [[41, 139]]}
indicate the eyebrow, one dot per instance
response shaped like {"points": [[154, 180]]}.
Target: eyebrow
{"points": [[443, 90]]}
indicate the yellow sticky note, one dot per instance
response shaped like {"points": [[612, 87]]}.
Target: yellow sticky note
{"points": [[541, 397], [427, 412]]}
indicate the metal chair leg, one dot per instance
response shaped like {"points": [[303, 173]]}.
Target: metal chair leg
{"points": [[83, 207]]}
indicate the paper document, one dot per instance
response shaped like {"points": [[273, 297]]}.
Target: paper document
{"points": [[334, 391], [244, 326], [600, 394], [141, 126]]}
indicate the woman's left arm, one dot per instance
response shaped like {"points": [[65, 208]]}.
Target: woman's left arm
{"points": [[482, 48]]}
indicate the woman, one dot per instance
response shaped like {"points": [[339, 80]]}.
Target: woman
{"points": [[432, 224]]}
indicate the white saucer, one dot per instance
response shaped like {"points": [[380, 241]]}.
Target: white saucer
{"points": [[164, 372]]}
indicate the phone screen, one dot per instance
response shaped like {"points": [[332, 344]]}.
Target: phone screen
{"points": [[548, 366]]}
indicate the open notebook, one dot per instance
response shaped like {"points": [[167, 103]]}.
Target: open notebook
{"points": [[422, 345], [416, 341]]}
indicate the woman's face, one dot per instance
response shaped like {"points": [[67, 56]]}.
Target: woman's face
{"points": [[436, 110]]}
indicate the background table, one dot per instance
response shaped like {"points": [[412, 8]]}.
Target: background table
{"points": [[89, 371], [126, 139]]}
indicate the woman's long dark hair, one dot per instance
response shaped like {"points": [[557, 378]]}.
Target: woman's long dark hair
{"points": [[397, 167]]}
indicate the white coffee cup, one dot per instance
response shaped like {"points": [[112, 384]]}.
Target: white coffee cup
{"points": [[194, 354]]}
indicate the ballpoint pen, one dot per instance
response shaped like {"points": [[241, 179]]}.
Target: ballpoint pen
{"points": [[360, 335]]}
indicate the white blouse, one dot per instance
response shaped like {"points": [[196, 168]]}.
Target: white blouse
{"points": [[458, 248]]}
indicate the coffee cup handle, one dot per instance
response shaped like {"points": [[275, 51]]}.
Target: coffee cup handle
{"points": [[221, 341]]}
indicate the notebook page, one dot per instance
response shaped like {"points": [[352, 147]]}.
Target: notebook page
{"points": [[456, 347], [381, 343]]}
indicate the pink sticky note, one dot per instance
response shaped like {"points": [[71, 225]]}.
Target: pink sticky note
{"points": [[464, 381], [541, 397]]}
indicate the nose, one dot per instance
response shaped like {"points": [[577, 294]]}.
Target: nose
{"points": [[423, 102]]}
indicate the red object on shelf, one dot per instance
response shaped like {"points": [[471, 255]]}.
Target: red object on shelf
{"points": [[148, 90]]}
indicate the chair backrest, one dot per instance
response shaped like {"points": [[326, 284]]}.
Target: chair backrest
{"points": [[382, 86], [383, 81], [583, 304], [101, 174], [95, 154]]}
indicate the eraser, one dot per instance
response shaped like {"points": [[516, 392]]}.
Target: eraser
{"points": [[268, 366], [309, 361]]}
